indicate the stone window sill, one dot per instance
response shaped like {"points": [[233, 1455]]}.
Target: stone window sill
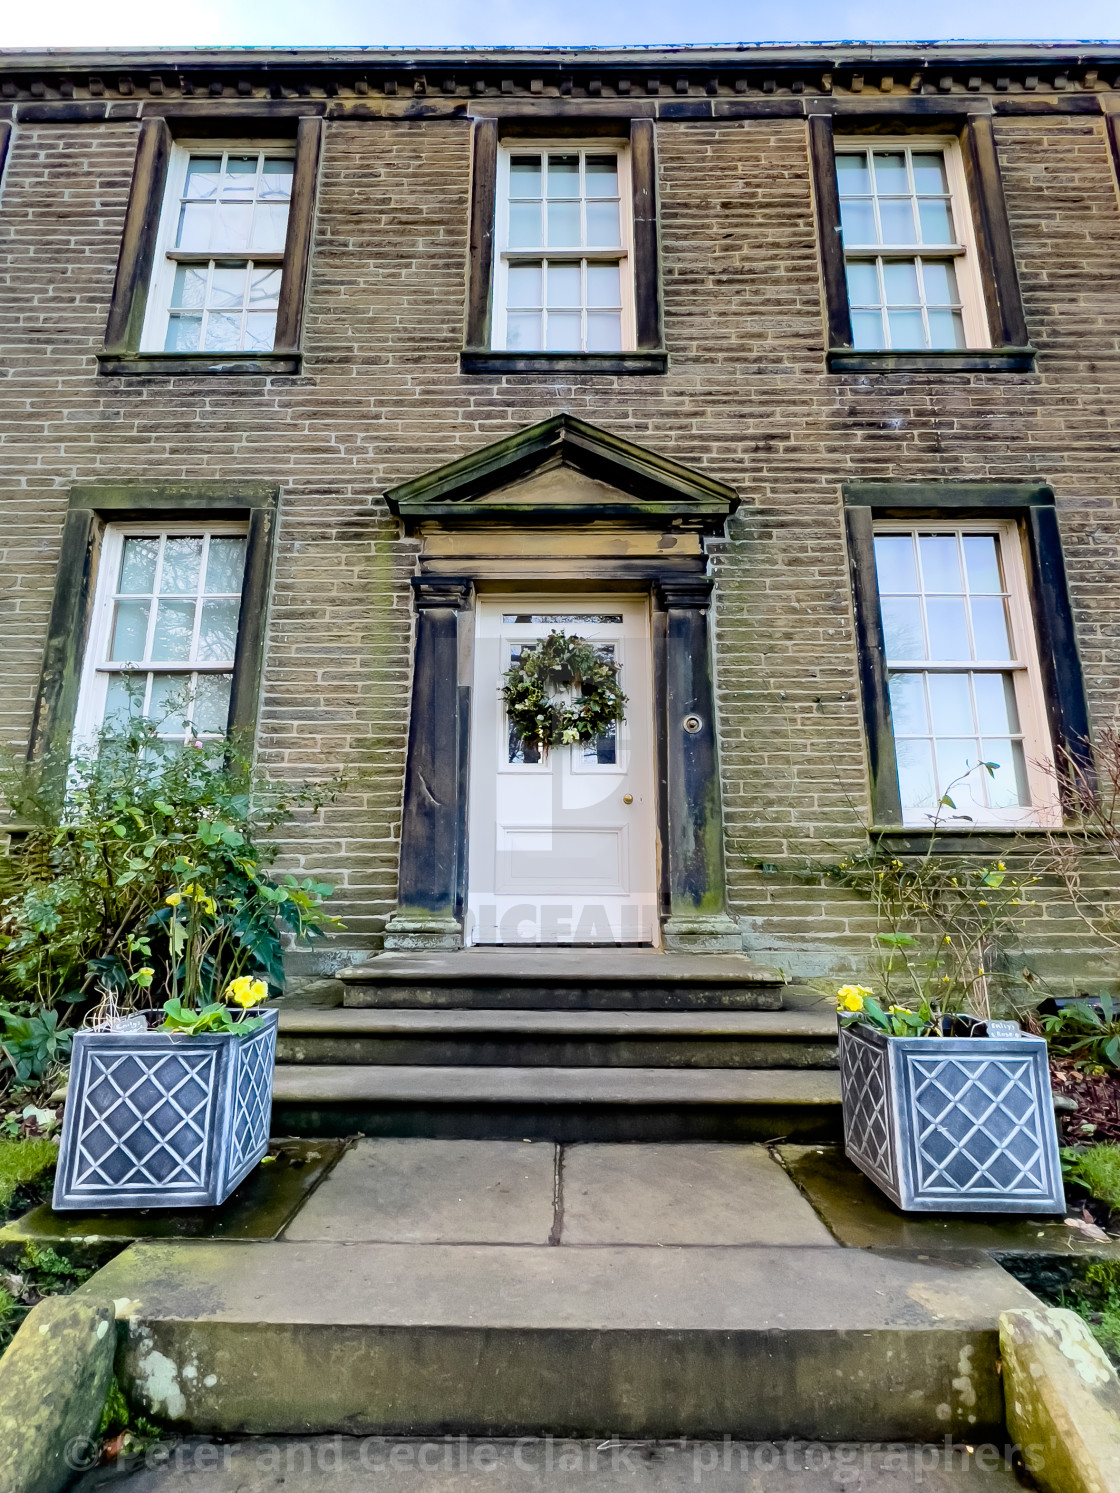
{"points": [[952, 360], [484, 360], [975, 840], [198, 364]]}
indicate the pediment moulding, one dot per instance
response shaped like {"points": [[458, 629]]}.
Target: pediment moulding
{"points": [[665, 82]]}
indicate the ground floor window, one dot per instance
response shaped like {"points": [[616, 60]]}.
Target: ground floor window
{"points": [[163, 634], [966, 701]]}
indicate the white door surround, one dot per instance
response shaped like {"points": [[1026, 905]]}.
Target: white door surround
{"points": [[563, 844]]}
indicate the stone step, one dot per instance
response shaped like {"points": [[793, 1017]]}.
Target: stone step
{"points": [[558, 1039], [560, 978], [560, 1104], [817, 1342]]}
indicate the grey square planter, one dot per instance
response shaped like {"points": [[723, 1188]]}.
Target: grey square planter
{"points": [[952, 1124], [159, 1120]]}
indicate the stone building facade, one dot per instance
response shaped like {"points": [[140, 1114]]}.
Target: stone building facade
{"points": [[709, 454]]}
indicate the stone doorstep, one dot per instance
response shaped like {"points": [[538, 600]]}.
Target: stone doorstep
{"points": [[345, 1464], [760, 1342], [793, 1025], [559, 965]]}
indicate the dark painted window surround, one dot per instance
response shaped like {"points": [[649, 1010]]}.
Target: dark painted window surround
{"points": [[1032, 504], [122, 353], [650, 355], [1010, 350], [93, 506]]}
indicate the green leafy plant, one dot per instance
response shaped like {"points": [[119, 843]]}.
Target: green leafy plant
{"points": [[1096, 1169], [1081, 1032], [544, 719], [143, 877], [939, 920]]}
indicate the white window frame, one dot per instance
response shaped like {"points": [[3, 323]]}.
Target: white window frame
{"points": [[622, 255], [1044, 809], [962, 253], [167, 256], [97, 669]]}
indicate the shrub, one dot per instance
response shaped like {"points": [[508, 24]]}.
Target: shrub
{"points": [[23, 1162], [1097, 1169]]}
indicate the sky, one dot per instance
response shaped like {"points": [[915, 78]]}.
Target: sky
{"points": [[452, 23]]}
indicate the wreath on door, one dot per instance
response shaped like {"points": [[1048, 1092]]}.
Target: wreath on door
{"points": [[573, 665]]}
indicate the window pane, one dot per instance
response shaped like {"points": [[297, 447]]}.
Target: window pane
{"points": [[958, 761], [563, 332], [851, 172], [563, 225], [867, 331], [130, 631], [863, 282], [907, 329], [138, 565], [900, 282], [231, 227], [217, 634], [523, 286], [223, 333], [941, 570], [563, 285], [260, 331], [929, 172], [525, 176], [189, 286], [276, 178], [896, 220], [915, 774], [184, 334], [981, 561], [241, 176], [857, 219], [264, 285], [270, 227], [601, 176], [989, 627], [563, 176], [890, 172], [196, 221], [936, 221], [171, 641], [1007, 786], [946, 329], [203, 176], [182, 557], [523, 332], [124, 697], [908, 704], [604, 285], [228, 285], [939, 281], [210, 714], [169, 702], [602, 224], [902, 627], [948, 631], [894, 563], [225, 564], [524, 225], [995, 703], [950, 703], [604, 332]]}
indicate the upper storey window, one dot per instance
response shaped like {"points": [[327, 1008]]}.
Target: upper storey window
{"points": [[909, 257], [219, 261], [563, 274]]}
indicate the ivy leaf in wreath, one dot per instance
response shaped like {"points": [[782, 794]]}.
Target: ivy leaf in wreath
{"points": [[544, 719]]}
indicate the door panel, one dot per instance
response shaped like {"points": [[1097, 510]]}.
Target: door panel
{"points": [[562, 844]]}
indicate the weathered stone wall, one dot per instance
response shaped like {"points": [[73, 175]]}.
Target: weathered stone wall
{"points": [[746, 399]]}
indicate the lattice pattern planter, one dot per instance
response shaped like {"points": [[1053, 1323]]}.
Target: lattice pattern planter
{"points": [[952, 1124], [159, 1120]]}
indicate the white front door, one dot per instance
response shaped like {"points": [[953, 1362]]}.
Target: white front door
{"points": [[562, 845]]}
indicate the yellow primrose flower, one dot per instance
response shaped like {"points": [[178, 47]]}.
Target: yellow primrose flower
{"points": [[850, 997], [174, 899], [144, 977], [246, 992]]}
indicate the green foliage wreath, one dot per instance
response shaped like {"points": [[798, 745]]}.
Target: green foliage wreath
{"points": [[571, 664]]}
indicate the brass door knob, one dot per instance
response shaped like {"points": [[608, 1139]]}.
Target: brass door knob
{"points": [[627, 798]]}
